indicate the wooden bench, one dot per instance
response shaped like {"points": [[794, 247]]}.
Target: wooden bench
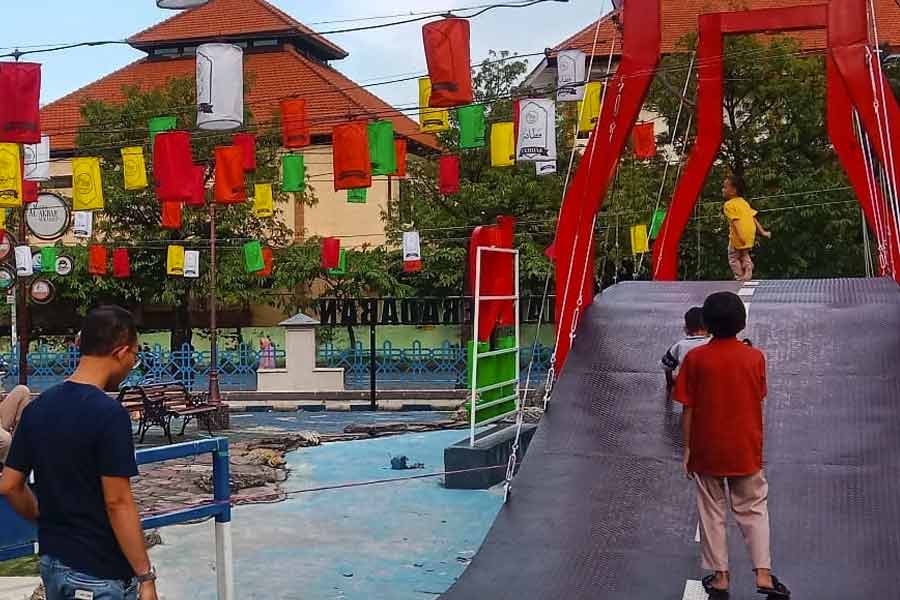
{"points": [[159, 403]]}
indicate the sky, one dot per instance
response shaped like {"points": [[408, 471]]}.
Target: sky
{"points": [[373, 54]]}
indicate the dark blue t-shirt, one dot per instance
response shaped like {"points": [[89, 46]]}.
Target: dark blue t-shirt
{"points": [[71, 435]]}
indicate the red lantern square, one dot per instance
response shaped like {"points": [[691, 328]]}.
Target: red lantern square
{"points": [[352, 164], [331, 253], [269, 260], [97, 260], [247, 143], [171, 215], [172, 164], [198, 186], [20, 115], [229, 186], [294, 128], [449, 175], [644, 140], [121, 263], [449, 62]]}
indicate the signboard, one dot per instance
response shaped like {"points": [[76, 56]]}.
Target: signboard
{"points": [[7, 277], [419, 311], [41, 291], [48, 218], [64, 266], [7, 243]]}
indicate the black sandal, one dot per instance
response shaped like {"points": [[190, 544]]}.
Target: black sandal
{"points": [[714, 593], [776, 592]]}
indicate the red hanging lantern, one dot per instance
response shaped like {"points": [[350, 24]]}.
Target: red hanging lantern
{"points": [[449, 175], [352, 164], [172, 163], [121, 263], [449, 62], [20, 115], [30, 189], [294, 128], [497, 275], [331, 253], [400, 150], [644, 140], [247, 143], [171, 215], [97, 260], [198, 186], [229, 188], [269, 260]]}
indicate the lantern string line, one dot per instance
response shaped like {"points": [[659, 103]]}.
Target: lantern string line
{"points": [[435, 12]]}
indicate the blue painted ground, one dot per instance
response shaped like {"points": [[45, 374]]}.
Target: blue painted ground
{"points": [[404, 541], [327, 421]]}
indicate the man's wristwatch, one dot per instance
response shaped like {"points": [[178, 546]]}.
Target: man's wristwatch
{"points": [[147, 577]]}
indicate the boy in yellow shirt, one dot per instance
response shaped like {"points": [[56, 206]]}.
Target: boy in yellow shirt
{"points": [[743, 228]]}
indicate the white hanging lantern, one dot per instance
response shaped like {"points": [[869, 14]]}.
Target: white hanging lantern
{"points": [[37, 160], [537, 131], [571, 73], [83, 225], [220, 87], [412, 251], [192, 264], [180, 4], [24, 262]]}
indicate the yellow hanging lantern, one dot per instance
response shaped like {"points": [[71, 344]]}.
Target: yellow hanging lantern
{"points": [[503, 145], [175, 261], [589, 108], [432, 120], [2, 219], [264, 204], [134, 168], [10, 176], [639, 239], [87, 186]]}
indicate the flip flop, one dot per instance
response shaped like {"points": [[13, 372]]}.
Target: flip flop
{"points": [[776, 592], [713, 592]]}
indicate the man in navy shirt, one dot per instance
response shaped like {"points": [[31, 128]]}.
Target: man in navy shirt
{"points": [[77, 441]]}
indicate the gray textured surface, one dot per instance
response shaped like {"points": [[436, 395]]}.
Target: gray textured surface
{"points": [[600, 509]]}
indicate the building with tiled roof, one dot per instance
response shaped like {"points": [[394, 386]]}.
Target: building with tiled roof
{"points": [[282, 57]]}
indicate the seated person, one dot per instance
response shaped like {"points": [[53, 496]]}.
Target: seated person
{"points": [[695, 335], [11, 409]]}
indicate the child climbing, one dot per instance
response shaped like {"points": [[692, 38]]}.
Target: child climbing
{"points": [[743, 227], [722, 386], [695, 335]]}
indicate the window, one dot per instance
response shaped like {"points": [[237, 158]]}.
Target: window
{"points": [[265, 43]]}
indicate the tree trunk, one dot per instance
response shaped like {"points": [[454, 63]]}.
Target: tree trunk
{"points": [[182, 332]]}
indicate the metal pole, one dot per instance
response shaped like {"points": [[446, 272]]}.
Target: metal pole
{"points": [[214, 394], [224, 548], [22, 302], [473, 398], [373, 368]]}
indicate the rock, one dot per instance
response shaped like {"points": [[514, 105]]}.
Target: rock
{"points": [[265, 456], [152, 538], [39, 593]]}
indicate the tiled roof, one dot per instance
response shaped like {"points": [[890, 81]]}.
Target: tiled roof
{"points": [[679, 17], [225, 19], [331, 97]]}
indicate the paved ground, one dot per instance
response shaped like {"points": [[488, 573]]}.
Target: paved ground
{"points": [[17, 588]]}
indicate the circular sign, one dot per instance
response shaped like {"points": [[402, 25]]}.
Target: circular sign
{"points": [[41, 291], [48, 218], [7, 243], [7, 278], [64, 266], [37, 263]]}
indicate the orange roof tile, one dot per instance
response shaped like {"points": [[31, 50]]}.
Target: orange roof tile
{"points": [[331, 97], [679, 17], [222, 19]]}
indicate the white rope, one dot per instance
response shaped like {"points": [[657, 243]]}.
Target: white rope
{"points": [[872, 184], [867, 258]]}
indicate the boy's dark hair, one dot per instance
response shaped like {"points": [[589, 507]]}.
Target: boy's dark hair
{"points": [[724, 314], [106, 328], [738, 183], [693, 319]]}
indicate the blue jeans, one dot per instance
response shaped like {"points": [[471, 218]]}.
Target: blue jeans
{"points": [[63, 583]]}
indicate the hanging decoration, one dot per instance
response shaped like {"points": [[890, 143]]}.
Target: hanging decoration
{"points": [[180, 4], [87, 187], [263, 201], [472, 126], [220, 86], [656, 223], [293, 173], [448, 180], [352, 163], [294, 128], [412, 252], [157, 125], [30, 191], [36, 262], [64, 266], [448, 54], [2, 227], [175, 261], [503, 144], [48, 258], [198, 186], [536, 135], [497, 275], [37, 160], [545, 167], [24, 262], [431, 120], [229, 186], [97, 260], [20, 115], [644, 140], [247, 143], [589, 108], [268, 261], [639, 239], [381, 148], [253, 257], [121, 263], [10, 176], [400, 152], [341, 269], [173, 162], [83, 224], [331, 253], [134, 168], [192, 264], [171, 215], [571, 70], [357, 195]]}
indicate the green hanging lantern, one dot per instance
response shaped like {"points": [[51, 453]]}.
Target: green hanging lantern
{"points": [[357, 195], [472, 126], [342, 266], [158, 125], [656, 224], [253, 257], [48, 259], [293, 173], [382, 152]]}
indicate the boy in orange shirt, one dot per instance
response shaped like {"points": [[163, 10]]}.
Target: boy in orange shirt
{"points": [[722, 386], [743, 227]]}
